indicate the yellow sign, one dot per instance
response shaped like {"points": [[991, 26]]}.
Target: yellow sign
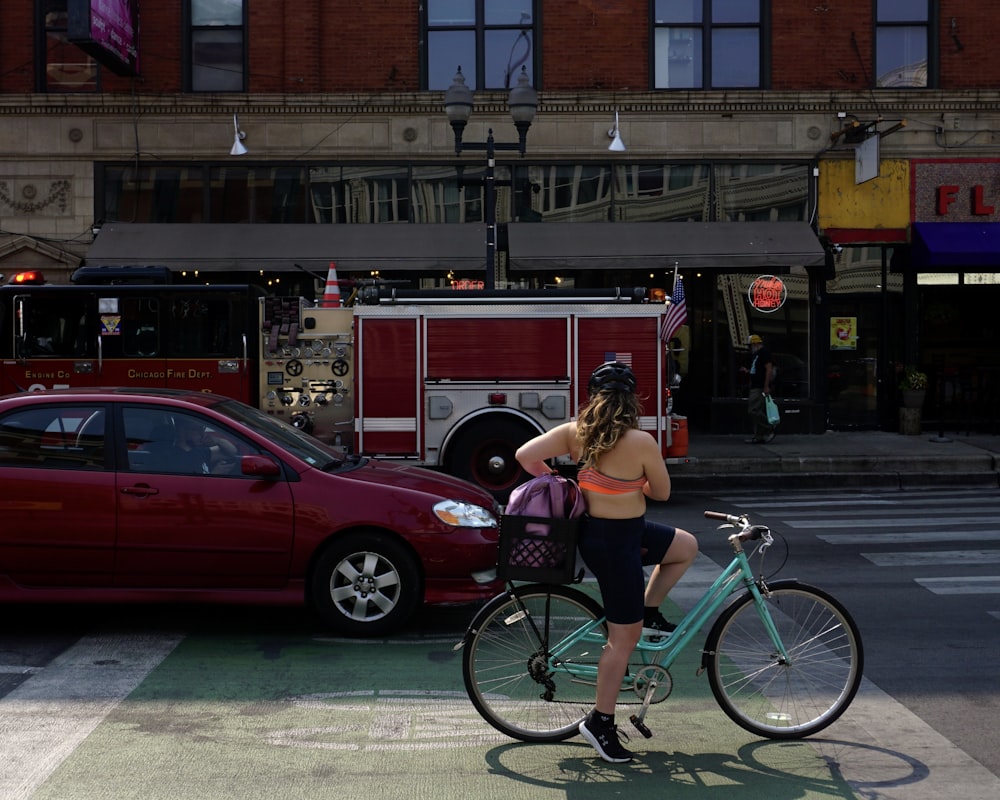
{"points": [[843, 333], [111, 324]]}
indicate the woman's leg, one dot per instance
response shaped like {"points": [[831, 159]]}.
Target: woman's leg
{"points": [[613, 663], [679, 556], [611, 549]]}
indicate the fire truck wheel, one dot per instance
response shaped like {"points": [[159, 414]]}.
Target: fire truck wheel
{"points": [[366, 584], [484, 454]]}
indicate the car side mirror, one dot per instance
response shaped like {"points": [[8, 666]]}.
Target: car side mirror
{"points": [[259, 466]]}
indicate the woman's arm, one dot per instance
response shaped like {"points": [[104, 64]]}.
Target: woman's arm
{"points": [[557, 442], [657, 478]]}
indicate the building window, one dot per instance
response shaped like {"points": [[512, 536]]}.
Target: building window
{"points": [[64, 67], [662, 192], [325, 194], [217, 45], [447, 194], [902, 30], [762, 192], [490, 41], [361, 194], [151, 194], [707, 44]]}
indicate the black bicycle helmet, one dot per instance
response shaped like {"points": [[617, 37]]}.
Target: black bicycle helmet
{"points": [[612, 376]]}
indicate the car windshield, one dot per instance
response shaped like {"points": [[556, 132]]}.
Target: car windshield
{"points": [[295, 441]]}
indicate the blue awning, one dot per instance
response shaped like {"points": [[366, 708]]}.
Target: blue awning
{"points": [[956, 244]]}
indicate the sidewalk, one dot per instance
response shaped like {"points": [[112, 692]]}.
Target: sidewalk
{"points": [[837, 459]]}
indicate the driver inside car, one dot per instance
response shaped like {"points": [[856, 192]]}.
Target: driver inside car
{"points": [[193, 452]]}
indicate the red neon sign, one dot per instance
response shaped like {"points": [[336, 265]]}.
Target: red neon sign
{"points": [[767, 293]]}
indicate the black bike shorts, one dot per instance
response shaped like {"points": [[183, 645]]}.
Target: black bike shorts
{"points": [[616, 550]]}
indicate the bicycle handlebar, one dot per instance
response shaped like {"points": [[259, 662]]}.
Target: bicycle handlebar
{"points": [[732, 519], [748, 532]]}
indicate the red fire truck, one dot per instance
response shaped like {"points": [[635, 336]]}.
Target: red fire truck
{"points": [[451, 380]]}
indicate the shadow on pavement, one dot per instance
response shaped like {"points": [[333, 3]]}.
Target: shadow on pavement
{"points": [[773, 769]]}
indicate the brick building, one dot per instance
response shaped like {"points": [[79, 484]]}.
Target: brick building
{"points": [[847, 148]]}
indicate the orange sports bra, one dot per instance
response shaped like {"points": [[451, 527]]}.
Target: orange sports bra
{"points": [[594, 481]]}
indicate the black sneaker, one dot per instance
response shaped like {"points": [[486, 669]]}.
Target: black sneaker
{"points": [[657, 628], [606, 741]]}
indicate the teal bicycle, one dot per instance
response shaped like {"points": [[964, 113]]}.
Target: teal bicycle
{"points": [[784, 659]]}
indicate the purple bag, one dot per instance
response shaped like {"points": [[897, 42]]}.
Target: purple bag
{"points": [[547, 496], [538, 531]]}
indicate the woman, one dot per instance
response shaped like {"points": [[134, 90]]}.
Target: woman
{"points": [[620, 466]]}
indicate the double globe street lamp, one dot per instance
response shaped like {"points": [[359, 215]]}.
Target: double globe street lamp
{"points": [[523, 102]]}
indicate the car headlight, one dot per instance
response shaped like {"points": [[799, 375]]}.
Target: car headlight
{"points": [[464, 515]]}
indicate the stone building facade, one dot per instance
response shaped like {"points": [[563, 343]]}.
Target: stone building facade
{"points": [[749, 113]]}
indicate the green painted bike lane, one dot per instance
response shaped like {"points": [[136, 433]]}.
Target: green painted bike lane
{"points": [[213, 716], [313, 717]]}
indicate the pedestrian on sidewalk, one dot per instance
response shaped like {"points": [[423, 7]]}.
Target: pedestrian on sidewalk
{"points": [[620, 466], [761, 371]]}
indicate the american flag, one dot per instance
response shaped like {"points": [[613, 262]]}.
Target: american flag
{"points": [[677, 313], [624, 358]]}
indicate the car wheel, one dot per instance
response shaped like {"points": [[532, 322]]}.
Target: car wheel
{"points": [[366, 584]]}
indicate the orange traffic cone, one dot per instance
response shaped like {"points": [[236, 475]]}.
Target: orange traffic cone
{"points": [[331, 297]]}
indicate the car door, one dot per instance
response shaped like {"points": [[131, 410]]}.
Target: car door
{"points": [[187, 524], [57, 496]]}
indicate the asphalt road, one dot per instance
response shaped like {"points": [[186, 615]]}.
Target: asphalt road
{"points": [[168, 702], [920, 572]]}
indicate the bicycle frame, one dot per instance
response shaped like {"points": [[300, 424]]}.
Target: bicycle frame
{"points": [[737, 575]]}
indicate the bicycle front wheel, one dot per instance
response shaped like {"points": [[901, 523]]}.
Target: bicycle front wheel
{"points": [[526, 670], [762, 692]]}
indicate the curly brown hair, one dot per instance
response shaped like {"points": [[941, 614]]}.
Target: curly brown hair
{"points": [[603, 421]]}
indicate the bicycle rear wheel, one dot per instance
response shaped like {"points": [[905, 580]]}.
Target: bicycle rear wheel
{"points": [[765, 695], [508, 667]]}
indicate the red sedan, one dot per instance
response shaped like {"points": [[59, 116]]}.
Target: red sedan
{"points": [[115, 495]]}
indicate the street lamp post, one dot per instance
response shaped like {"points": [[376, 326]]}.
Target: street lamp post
{"points": [[523, 101]]}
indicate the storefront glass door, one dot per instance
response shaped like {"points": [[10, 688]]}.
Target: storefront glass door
{"points": [[859, 392]]}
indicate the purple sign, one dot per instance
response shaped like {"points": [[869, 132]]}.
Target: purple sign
{"points": [[108, 30]]}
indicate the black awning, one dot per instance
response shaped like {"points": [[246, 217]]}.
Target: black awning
{"points": [[655, 245], [940, 245], [227, 248]]}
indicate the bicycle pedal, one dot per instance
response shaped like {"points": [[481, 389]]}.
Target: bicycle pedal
{"points": [[640, 726]]}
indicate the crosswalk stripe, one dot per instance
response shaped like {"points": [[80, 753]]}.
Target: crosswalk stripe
{"points": [[819, 500], [988, 510], [969, 584], [898, 519], [868, 505], [919, 537], [888, 522], [89, 680], [919, 558]]}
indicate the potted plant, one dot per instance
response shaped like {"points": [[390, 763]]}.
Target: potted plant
{"points": [[913, 385]]}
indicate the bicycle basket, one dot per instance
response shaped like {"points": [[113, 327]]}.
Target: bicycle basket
{"points": [[537, 549]]}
